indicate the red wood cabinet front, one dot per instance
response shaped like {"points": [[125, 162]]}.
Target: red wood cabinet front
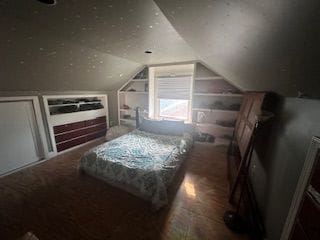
{"points": [[73, 134]]}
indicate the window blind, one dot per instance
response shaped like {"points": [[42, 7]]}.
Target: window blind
{"points": [[177, 87]]}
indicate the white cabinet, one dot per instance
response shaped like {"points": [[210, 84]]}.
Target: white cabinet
{"points": [[75, 119], [215, 104]]}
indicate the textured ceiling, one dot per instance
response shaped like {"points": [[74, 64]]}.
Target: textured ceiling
{"points": [[258, 45], [97, 45], [83, 45]]}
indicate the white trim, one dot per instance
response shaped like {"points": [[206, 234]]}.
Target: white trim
{"points": [[51, 133], [152, 93], [301, 187], [191, 94]]}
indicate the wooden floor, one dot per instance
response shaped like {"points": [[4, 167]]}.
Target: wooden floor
{"points": [[53, 201]]}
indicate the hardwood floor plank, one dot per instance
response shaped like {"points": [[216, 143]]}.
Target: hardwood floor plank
{"points": [[54, 201]]}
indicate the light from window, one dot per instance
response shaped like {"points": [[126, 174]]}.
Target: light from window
{"points": [[173, 109]]}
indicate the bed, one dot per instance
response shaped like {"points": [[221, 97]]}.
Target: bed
{"points": [[142, 163]]}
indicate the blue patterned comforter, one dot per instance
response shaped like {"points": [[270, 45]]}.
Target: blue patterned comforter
{"points": [[139, 162]]}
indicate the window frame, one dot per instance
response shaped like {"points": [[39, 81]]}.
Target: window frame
{"points": [[158, 71]]}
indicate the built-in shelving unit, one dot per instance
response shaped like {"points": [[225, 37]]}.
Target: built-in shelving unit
{"points": [[133, 94], [215, 104], [75, 119]]}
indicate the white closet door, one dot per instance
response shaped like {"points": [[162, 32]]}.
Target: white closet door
{"points": [[18, 135]]}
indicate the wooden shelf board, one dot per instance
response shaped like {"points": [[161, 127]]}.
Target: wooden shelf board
{"points": [[65, 118], [221, 141], [214, 110], [70, 104], [127, 119], [140, 80], [208, 78], [212, 125], [217, 94], [132, 92]]}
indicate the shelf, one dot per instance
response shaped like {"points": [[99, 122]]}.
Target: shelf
{"points": [[140, 80], [213, 125], [132, 92], [66, 118], [71, 104], [217, 94], [208, 78], [128, 119], [222, 141], [214, 110], [124, 110]]}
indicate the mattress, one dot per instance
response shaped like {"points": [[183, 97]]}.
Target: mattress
{"points": [[139, 162]]}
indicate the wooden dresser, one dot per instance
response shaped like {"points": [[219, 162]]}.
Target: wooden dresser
{"points": [[253, 104], [75, 119], [73, 134]]}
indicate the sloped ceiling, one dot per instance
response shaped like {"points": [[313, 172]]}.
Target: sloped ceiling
{"points": [[83, 45], [258, 45], [98, 45]]}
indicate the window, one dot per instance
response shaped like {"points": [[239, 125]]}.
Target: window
{"points": [[173, 96], [174, 109]]}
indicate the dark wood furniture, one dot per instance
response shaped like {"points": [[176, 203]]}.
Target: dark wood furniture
{"points": [[253, 104], [247, 129], [307, 223], [73, 134]]}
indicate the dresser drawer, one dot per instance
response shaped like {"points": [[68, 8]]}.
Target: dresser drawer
{"points": [[309, 217], [96, 135], [70, 135], [68, 144], [68, 127], [96, 128], [95, 121]]}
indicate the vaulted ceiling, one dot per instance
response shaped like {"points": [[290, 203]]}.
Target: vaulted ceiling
{"points": [[98, 45]]}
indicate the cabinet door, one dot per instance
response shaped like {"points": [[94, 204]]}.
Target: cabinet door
{"points": [[68, 127], [250, 108], [19, 136]]}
